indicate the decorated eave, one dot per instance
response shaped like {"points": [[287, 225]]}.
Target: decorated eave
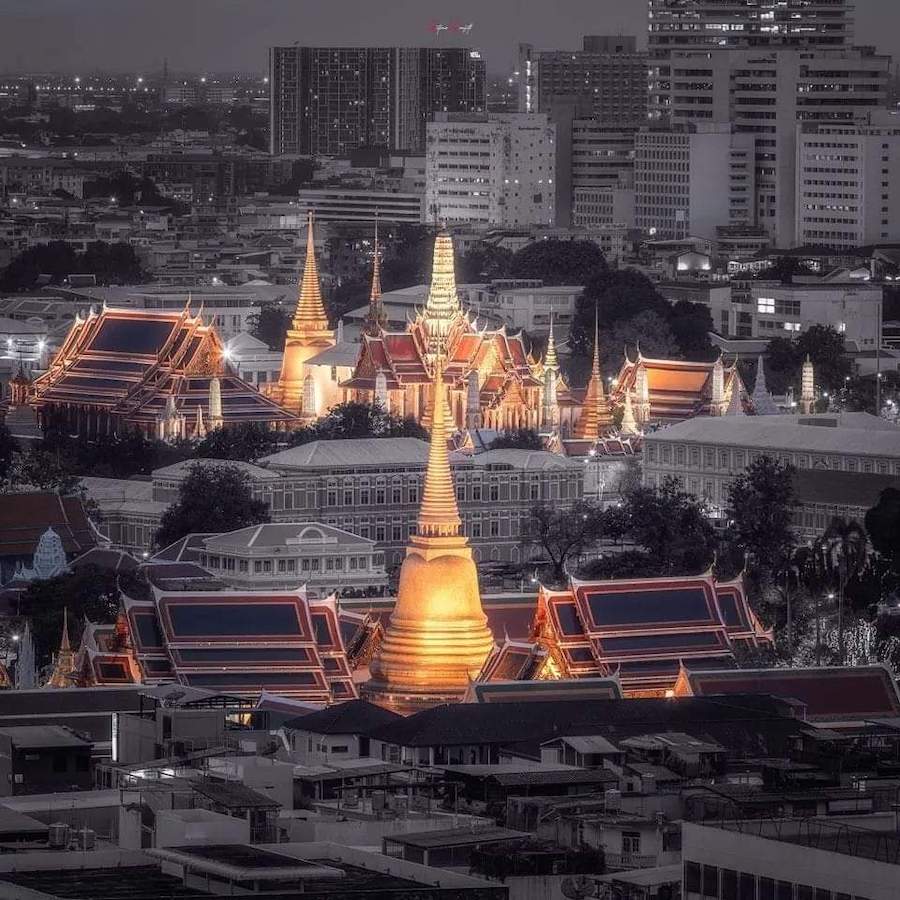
{"points": [[130, 361], [402, 356], [242, 642], [644, 629], [677, 389]]}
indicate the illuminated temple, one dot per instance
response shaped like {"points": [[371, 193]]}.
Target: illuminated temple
{"points": [[437, 638], [163, 374]]}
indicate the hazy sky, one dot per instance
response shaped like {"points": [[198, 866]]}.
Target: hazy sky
{"points": [[135, 35]]}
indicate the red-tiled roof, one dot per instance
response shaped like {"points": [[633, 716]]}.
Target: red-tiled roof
{"points": [[25, 517]]}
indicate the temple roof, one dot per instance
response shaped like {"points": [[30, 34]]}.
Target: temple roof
{"points": [[833, 694], [25, 517], [131, 361], [643, 629]]}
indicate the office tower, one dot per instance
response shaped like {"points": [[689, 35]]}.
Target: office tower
{"points": [[330, 101], [496, 169], [689, 179], [767, 92], [848, 182], [608, 72], [741, 23]]}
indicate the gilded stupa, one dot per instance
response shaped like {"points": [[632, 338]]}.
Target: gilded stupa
{"points": [[595, 418], [437, 638], [308, 335]]}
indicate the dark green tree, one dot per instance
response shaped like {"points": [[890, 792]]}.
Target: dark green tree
{"points": [[691, 324], [760, 505], [8, 446], [270, 325], [86, 592], [826, 349], [244, 442], [844, 547], [518, 439], [562, 535], [559, 262], [671, 526], [484, 263], [352, 420], [211, 499], [883, 527]]}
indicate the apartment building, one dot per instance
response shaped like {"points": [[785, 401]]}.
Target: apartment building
{"points": [[688, 180], [765, 93], [848, 182], [497, 169], [609, 74], [329, 101]]}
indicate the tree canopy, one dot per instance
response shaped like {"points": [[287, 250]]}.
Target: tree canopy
{"points": [[760, 504], [671, 526], [564, 534], [883, 527], [110, 263], [353, 419], [559, 262], [518, 439], [826, 350], [270, 325], [8, 447], [246, 442], [211, 499]]}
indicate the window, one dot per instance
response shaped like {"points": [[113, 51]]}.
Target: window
{"points": [[331, 497], [348, 497], [766, 889], [710, 882], [364, 496], [765, 305], [784, 890], [414, 493], [282, 565], [257, 566], [631, 843], [379, 495], [729, 885], [476, 491], [395, 493], [746, 887], [495, 493], [692, 877]]}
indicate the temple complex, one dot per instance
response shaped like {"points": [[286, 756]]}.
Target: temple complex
{"points": [[492, 381], [163, 374], [437, 639]]}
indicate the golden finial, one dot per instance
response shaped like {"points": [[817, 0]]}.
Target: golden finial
{"points": [[375, 319], [310, 312], [550, 359], [439, 514], [442, 305]]}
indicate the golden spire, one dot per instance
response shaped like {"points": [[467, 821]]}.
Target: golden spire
{"points": [[310, 312], [594, 417], [439, 514], [64, 664], [375, 319], [442, 306], [550, 359]]}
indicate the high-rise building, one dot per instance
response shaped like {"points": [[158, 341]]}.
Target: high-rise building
{"points": [[689, 179], [848, 182], [609, 74], [329, 101], [741, 23], [496, 169], [766, 92]]}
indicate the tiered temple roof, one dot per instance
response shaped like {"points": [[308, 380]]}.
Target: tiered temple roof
{"points": [[676, 389], [239, 642], [643, 630], [138, 366]]}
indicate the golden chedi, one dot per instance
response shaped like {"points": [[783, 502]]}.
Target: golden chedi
{"points": [[308, 335], [437, 638]]}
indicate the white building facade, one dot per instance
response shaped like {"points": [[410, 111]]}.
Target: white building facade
{"points": [[848, 183], [690, 180], [494, 170]]}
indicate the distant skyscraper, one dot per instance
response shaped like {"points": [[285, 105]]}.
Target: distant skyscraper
{"points": [[330, 101], [742, 23], [608, 76]]}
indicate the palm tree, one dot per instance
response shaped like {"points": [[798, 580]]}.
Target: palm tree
{"points": [[845, 551], [813, 573]]}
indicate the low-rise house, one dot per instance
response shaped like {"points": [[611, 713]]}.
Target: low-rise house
{"points": [[38, 758]]}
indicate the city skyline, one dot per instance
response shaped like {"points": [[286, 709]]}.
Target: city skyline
{"points": [[221, 35]]}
